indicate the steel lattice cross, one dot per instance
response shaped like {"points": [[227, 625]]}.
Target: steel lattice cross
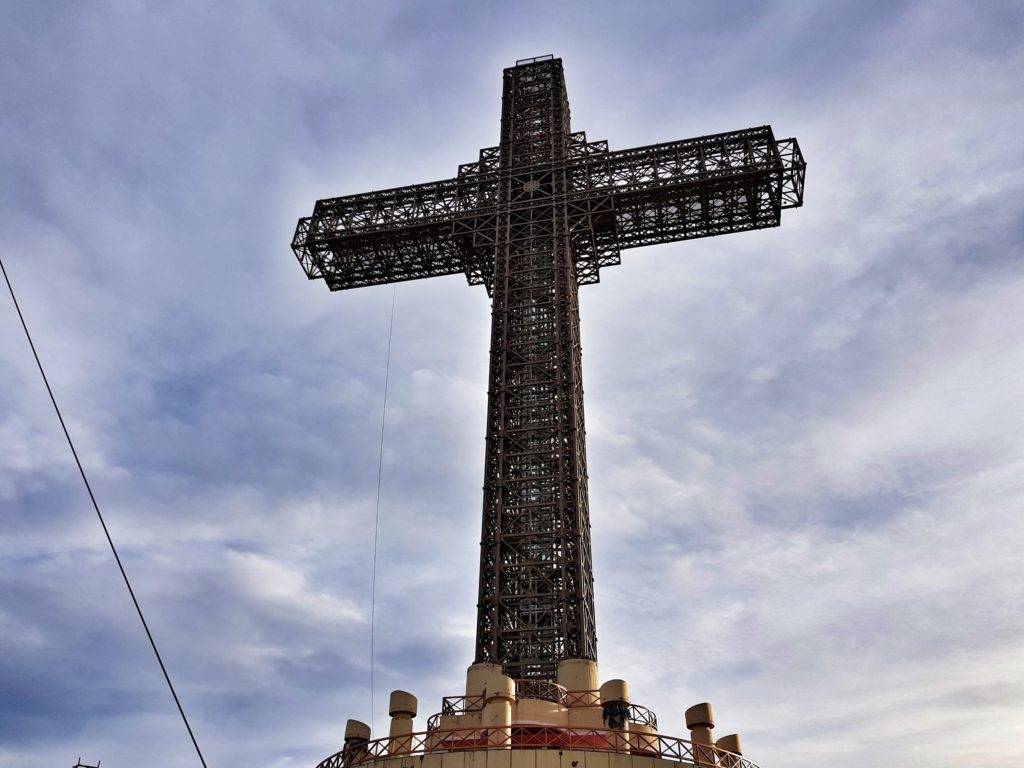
{"points": [[532, 220]]}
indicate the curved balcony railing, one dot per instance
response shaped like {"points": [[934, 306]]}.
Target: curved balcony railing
{"points": [[455, 705], [583, 698], [544, 690], [539, 689], [655, 745], [642, 716]]}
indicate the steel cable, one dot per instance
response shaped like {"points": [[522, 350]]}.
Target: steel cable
{"points": [[376, 521]]}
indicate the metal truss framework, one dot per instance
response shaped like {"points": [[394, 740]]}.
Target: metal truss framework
{"points": [[532, 220]]}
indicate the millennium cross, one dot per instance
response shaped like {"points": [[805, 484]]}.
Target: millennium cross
{"points": [[533, 219]]}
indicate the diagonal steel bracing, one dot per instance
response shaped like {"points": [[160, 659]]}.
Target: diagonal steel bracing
{"points": [[532, 220]]}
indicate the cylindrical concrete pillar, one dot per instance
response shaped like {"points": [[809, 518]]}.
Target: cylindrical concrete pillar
{"points": [[700, 720], [615, 713], [402, 709], [479, 676], [496, 716], [615, 690], [579, 678], [730, 750], [643, 740], [357, 735]]}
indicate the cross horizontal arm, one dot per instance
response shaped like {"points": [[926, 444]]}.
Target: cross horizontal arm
{"points": [[389, 236], [681, 190]]}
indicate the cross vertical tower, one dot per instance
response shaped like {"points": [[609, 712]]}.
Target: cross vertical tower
{"points": [[532, 220], [536, 602]]}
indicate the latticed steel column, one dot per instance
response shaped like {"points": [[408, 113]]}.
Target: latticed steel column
{"points": [[536, 603]]}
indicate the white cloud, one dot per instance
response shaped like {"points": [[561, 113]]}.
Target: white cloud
{"points": [[804, 444], [284, 590]]}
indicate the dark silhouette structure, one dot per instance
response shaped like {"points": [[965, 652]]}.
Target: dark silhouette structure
{"points": [[532, 220]]}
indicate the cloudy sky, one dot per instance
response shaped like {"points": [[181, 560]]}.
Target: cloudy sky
{"points": [[806, 445]]}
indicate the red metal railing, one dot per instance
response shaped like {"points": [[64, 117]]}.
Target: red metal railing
{"points": [[582, 698], [544, 690], [455, 705], [642, 716], [538, 689], [538, 737]]}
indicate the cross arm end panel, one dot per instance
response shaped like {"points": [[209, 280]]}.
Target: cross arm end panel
{"points": [[360, 260], [688, 189], [390, 236], [794, 168]]}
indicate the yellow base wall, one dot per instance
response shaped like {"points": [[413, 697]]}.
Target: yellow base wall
{"points": [[522, 758]]}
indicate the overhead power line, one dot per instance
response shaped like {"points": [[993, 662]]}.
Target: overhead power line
{"points": [[96, 506]]}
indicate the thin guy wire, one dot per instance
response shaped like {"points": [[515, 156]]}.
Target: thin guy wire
{"points": [[376, 521], [99, 514]]}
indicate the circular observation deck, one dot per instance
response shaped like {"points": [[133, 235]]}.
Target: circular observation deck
{"points": [[534, 746], [538, 724]]}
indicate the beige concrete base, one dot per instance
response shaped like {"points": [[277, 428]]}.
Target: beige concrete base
{"points": [[506, 723], [523, 758]]}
